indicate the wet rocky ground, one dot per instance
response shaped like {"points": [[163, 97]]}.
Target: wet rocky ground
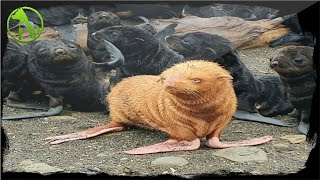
{"points": [[28, 151]]}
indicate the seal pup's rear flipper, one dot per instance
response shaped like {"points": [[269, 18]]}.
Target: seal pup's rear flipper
{"points": [[92, 132], [214, 142], [29, 104], [167, 146], [51, 112], [255, 117]]}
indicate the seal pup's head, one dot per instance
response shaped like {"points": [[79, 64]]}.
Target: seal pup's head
{"points": [[57, 53], [102, 19], [195, 79], [199, 44], [292, 61]]}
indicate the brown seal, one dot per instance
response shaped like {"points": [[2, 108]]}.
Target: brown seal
{"points": [[188, 101], [295, 67]]}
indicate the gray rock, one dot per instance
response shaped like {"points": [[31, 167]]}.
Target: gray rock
{"points": [[90, 170], [255, 173], [26, 163], [281, 148], [295, 139], [57, 118], [42, 168], [170, 161], [242, 154], [102, 154], [124, 159], [237, 170]]}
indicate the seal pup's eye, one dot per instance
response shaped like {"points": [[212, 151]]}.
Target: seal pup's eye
{"points": [[298, 61], [196, 80], [42, 50], [72, 46], [161, 79], [113, 34], [185, 41]]}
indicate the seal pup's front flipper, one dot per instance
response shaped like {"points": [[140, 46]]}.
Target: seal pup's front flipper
{"points": [[51, 112], [67, 32], [167, 146], [92, 132], [255, 117], [167, 31], [116, 57], [304, 124]]}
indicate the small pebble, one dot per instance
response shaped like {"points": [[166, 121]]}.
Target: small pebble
{"points": [[170, 161], [295, 139], [281, 147], [255, 173], [42, 168], [124, 159], [237, 170], [173, 170], [242, 154], [102, 155], [60, 118]]}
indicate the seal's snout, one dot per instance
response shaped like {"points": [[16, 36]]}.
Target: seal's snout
{"points": [[59, 51], [103, 16], [94, 36], [274, 64], [169, 84]]}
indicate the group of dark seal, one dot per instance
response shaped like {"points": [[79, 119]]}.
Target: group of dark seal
{"points": [[63, 72]]}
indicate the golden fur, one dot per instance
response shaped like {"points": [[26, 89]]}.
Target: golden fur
{"points": [[189, 100]]}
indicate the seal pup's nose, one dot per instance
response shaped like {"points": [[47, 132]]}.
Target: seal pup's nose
{"points": [[59, 51], [168, 39], [274, 64]]}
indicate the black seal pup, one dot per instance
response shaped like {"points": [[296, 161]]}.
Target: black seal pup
{"points": [[143, 52], [218, 49], [16, 80], [99, 20], [251, 92], [296, 36], [294, 64], [67, 76], [235, 10], [21, 90], [273, 99]]}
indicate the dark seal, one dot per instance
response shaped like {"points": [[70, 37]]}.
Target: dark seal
{"points": [[251, 92], [273, 99], [99, 20], [294, 64], [17, 82], [142, 51], [235, 10], [67, 76]]}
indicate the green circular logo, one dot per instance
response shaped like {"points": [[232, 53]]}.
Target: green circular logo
{"points": [[33, 29]]}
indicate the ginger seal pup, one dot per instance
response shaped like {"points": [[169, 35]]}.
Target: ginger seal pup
{"points": [[188, 101]]}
